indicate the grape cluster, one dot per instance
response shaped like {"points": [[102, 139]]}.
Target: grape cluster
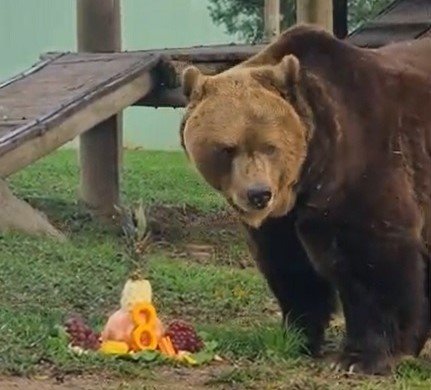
{"points": [[81, 335], [184, 336]]}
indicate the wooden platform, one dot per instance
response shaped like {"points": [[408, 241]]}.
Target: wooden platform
{"points": [[63, 96], [402, 20]]}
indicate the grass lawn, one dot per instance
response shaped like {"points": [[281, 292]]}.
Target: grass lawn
{"points": [[200, 272]]}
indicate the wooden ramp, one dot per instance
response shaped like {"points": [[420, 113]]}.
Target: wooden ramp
{"points": [[63, 96], [402, 20]]}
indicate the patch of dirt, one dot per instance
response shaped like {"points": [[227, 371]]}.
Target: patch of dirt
{"points": [[206, 237], [160, 378]]}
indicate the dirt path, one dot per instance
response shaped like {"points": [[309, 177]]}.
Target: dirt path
{"points": [[163, 379]]}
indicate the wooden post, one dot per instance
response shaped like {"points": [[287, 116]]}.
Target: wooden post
{"points": [[99, 30], [339, 16], [272, 19], [315, 12]]}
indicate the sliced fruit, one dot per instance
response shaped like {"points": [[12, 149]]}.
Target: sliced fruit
{"points": [[135, 290], [166, 347], [144, 338], [184, 356], [114, 347], [144, 313]]}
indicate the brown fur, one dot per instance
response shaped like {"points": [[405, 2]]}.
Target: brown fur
{"points": [[253, 147], [342, 137]]}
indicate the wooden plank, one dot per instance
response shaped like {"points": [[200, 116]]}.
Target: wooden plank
{"points": [[53, 86], [164, 97], [211, 53], [72, 93], [39, 65], [402, 20], [5, 129], [54, 131], [168, 93], [6, 126]]}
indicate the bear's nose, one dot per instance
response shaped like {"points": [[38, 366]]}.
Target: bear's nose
{"points": [[259, 196]]}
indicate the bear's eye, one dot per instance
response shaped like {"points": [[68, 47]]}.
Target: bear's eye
{"points": [[226, 151], [269, 150]]}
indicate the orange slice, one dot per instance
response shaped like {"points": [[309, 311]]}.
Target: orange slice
{"points": [[144, 313], [144, 338]]}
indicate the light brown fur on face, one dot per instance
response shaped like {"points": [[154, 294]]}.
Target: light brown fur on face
{"points": [[242, 134]]}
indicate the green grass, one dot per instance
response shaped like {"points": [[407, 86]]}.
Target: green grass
{"points": [[150, 176], [42, 282]]}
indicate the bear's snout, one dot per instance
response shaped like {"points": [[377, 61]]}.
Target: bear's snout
{"points": [[259, 196]]}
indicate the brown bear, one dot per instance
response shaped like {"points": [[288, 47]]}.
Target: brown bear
{"points": [[323, 149]]}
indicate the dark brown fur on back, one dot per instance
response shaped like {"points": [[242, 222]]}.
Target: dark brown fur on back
{"points": [[362, 219]]}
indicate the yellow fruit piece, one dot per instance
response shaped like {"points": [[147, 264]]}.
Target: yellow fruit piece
{"points": [[185, 357], [135, 291], [144, 313], [114, 347], [144, 338]]}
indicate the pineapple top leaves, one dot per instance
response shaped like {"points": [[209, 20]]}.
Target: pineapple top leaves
{"points": [[134, 223]]}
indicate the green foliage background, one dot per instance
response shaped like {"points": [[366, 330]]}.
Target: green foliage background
{"points": [[244, 18]]}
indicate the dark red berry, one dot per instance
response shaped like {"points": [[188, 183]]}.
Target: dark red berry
{"points": [[184, 337], [80, 334]]}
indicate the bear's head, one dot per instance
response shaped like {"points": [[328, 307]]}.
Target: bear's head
{"points": [[245, 138]]}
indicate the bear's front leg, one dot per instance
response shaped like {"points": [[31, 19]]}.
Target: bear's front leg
{"points": [[382, 284], [305, 298]]}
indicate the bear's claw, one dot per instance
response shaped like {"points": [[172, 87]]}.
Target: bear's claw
{"points": [[353, 364]]}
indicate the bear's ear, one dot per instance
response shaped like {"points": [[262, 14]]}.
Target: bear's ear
{"points": [[281, 75], [189, 80]]}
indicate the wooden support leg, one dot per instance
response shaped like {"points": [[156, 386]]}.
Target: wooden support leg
{"points": [[99, 30], [17, 215], [99, 159], [272, 19], [317, 12]]}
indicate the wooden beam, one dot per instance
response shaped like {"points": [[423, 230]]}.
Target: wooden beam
{"points": [[18, 216], [99, 30], [210, 53], [271, 19], [164, 97], [339, 17], [64, 130], [317, 12], [170, 93]]}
